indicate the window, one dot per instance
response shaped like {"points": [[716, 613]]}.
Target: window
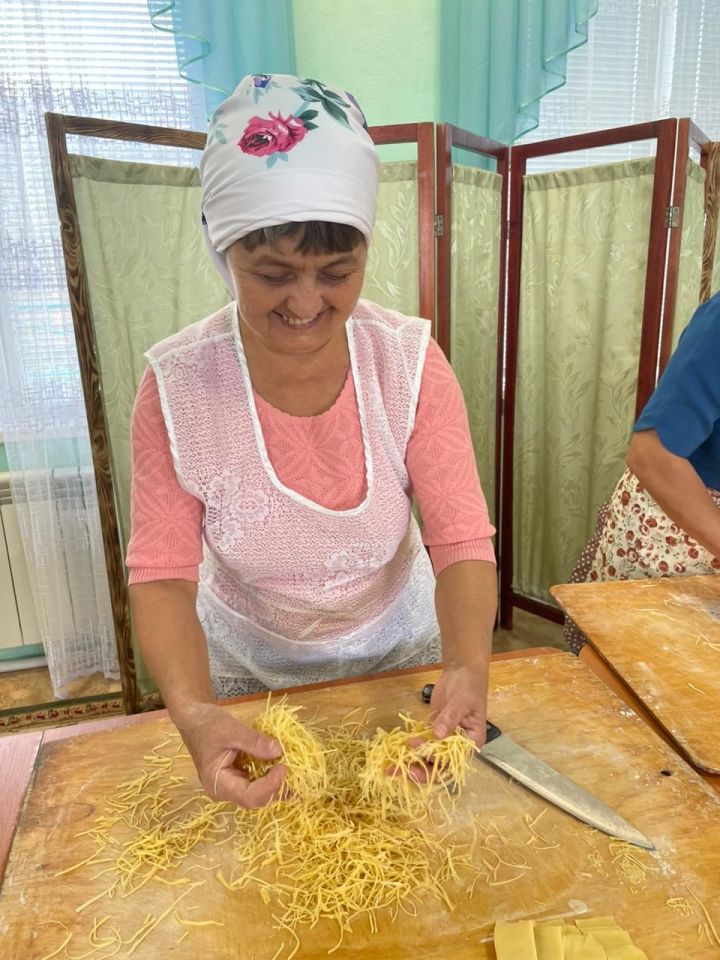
{"points": [[643, 61], [97, 58]]}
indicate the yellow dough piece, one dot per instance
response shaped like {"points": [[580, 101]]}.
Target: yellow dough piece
{"points": [[611, 937], [627, 952], [549, 941], [515, 941], [583, 947], [595, 938]]}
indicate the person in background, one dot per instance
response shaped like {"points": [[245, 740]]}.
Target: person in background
{"points": [[663, 518], [278, 445]]}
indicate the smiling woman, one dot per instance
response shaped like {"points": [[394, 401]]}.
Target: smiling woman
{"points": [[293, 303], [278, 444]]}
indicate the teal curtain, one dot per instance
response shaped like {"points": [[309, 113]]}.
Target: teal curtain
{"points": [[219, 42], [500, 57]]}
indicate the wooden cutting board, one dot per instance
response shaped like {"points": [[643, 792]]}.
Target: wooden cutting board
{"points": [[662, 637], [551, 705]]}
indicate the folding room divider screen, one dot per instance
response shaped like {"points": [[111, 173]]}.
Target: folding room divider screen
{"points": [[537, 287], [601, 261]]}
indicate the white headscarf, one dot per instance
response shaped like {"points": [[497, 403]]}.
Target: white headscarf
{"points": [[283, 150]]}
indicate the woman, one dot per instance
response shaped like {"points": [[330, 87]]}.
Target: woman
{"points": [[277, 446], [663, 518]]}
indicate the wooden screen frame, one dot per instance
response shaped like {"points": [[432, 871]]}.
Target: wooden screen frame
{"points": [[449, 136], [658, 307], [59, 126], [423, 134], [688, 135]]}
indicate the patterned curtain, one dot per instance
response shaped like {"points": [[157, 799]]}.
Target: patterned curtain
{"points": [[475, 246], [149, 275], [584, 257], [392, 272], [691, 249]]}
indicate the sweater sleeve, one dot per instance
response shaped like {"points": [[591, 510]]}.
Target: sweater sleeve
{"points": [[441, 463], [166, 538]]}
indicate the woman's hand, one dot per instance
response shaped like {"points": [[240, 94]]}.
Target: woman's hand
{"points": [[465, 600], [214, 738], [459, 699]]}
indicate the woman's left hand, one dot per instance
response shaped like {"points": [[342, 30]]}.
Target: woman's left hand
{"points": [[460, 700], [465, 601]]}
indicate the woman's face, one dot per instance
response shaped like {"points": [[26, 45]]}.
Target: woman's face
{"points": [[295, 302]]}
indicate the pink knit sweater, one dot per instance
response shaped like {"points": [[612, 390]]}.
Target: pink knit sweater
{"points": [[322, 459]]}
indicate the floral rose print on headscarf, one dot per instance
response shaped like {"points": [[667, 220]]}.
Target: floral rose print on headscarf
{"points": [[261, 83], [312, 91], [273, 136], [264, 136], [352, 100]]}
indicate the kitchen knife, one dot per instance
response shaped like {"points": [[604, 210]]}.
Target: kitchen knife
{"points": [[510, 757]]}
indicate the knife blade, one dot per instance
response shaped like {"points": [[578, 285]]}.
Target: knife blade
{"points": [[538, 776]]}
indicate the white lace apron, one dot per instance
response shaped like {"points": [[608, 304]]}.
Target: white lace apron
{"points": [[290, 591]]}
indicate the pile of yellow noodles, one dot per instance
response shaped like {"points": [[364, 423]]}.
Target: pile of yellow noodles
{"points": [[353, 834], [353, 841]]}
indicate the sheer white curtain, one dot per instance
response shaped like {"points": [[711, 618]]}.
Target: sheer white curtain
{"points": [[644, 60], [92, 58]]}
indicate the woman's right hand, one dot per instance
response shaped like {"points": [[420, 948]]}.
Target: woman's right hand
{"points": [[214, 738]]}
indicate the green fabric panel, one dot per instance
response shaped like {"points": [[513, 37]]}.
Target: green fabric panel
{"points": [[584, 260], [587, 176], [475, 244], [691, 249], [101, 170], [148, 275], [391, 278]]}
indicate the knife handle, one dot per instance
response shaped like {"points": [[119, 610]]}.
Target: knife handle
{"points": [[491, 731]]}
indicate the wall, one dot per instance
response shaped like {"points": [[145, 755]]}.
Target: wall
{"points": [[391, 66]]}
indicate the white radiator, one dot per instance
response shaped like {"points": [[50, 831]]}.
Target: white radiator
{"points": [[18, 622]]}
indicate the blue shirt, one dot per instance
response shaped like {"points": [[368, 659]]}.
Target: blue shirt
{"points": [[685, 407]]}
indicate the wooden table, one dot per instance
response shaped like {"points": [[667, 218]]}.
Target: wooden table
{"points": [[551, 704], [661, 640]]}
